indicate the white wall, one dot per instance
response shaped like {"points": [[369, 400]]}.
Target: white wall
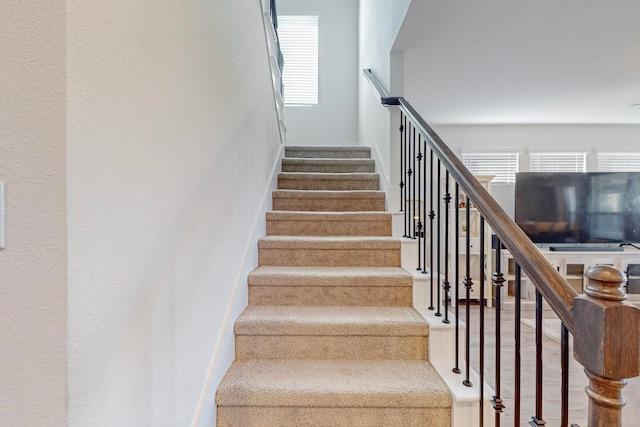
{"points": [[379, 23], [172, 141], [334, 120], [33, 285]]}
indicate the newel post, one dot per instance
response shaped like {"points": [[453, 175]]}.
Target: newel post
{"points": [[606, 343]]}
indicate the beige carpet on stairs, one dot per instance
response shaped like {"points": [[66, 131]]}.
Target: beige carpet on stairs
{"points": [[330, 337]]}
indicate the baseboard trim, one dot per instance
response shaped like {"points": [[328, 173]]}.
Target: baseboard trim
{"points": [[228, 322]]}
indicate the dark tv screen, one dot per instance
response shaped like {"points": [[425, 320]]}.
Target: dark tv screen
{"points": [[593, 207]]}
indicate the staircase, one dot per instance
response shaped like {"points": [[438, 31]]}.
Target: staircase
{"points": [[329, 337]]}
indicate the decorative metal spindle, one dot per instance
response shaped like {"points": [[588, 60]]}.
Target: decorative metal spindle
{"points": [[468, 283], [432, 216], [518, 361], [413, 196], [404, 171], [407, 186], [498, 281], [564, 364], [537, 420], [403, 122], [424, 210], [456, 369], [419, 213], [481, 367], [439, 233], [445, 284]]}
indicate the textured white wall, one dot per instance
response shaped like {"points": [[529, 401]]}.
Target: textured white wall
{"points": [[379, 22], [33, 346], [172, 139], [334, 121]]}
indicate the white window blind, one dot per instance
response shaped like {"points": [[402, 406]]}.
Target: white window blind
{"points": [[557, 162], [500, 164], [619, 162], [299, 43]]}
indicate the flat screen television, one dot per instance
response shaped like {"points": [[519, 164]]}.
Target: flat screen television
{"points": [[592, 207]]}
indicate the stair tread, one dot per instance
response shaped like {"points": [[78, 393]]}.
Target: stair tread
{"points": [[358, 151], [330, 276], [331, 176], [328, 242], [328, 216], [334, 194], [331, 320], [333, 383], [327, 161]]}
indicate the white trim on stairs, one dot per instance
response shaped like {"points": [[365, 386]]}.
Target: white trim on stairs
{"points": [[208, 391]]}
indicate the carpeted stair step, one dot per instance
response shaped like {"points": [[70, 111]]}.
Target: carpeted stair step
{"points": [[338, 332], [328, 181], [328, 152], [326, 286], [288, 223], [328, 201], [328, 165], [329, 251], [339, 393]]}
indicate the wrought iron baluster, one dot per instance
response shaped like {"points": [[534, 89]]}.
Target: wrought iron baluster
{"points": [[432, 217], [413, 187], [517, 358], [564, 365], [537, 420], [403, 123], [439, 237], [419, 213], [424, 210], [498, 281], [445, 284], [456, 368], [481, 367], [468, 283]]}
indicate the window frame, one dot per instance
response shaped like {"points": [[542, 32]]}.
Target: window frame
{"points": [[299, 42]]}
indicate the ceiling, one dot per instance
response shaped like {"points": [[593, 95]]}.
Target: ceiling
{"points": [[523, 61]]}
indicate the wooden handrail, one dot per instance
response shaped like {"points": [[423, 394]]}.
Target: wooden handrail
{"points": [[553, 287]]}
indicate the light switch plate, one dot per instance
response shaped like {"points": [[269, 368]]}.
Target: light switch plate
{"points": [[2, 227]]}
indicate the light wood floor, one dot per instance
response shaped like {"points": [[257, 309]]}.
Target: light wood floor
{"points": [[552, 377]]}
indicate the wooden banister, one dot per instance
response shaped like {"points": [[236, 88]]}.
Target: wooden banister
{"points": [[607, 343], [553, 287], [606, 330]]}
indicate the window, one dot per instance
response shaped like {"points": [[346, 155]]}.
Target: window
{"points": [[299, 43], [502, 165], [558, 162], [619, 162]]}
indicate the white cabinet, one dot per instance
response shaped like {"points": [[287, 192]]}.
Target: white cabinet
{"points": [[573, 265]]}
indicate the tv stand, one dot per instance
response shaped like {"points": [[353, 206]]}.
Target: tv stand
{"points": [[573, 264], [580, 248]]}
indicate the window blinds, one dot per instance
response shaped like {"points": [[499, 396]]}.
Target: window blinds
{"points": [[619, 162], [299, 43], [500, 164], [557, 162]]}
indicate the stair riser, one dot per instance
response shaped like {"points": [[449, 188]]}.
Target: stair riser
{"points": [[286, 183], [328, 205], [331, 347], [330, 257], [327, 153], [393, 296], [328, 228], [328, 168], [257, 416]]}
